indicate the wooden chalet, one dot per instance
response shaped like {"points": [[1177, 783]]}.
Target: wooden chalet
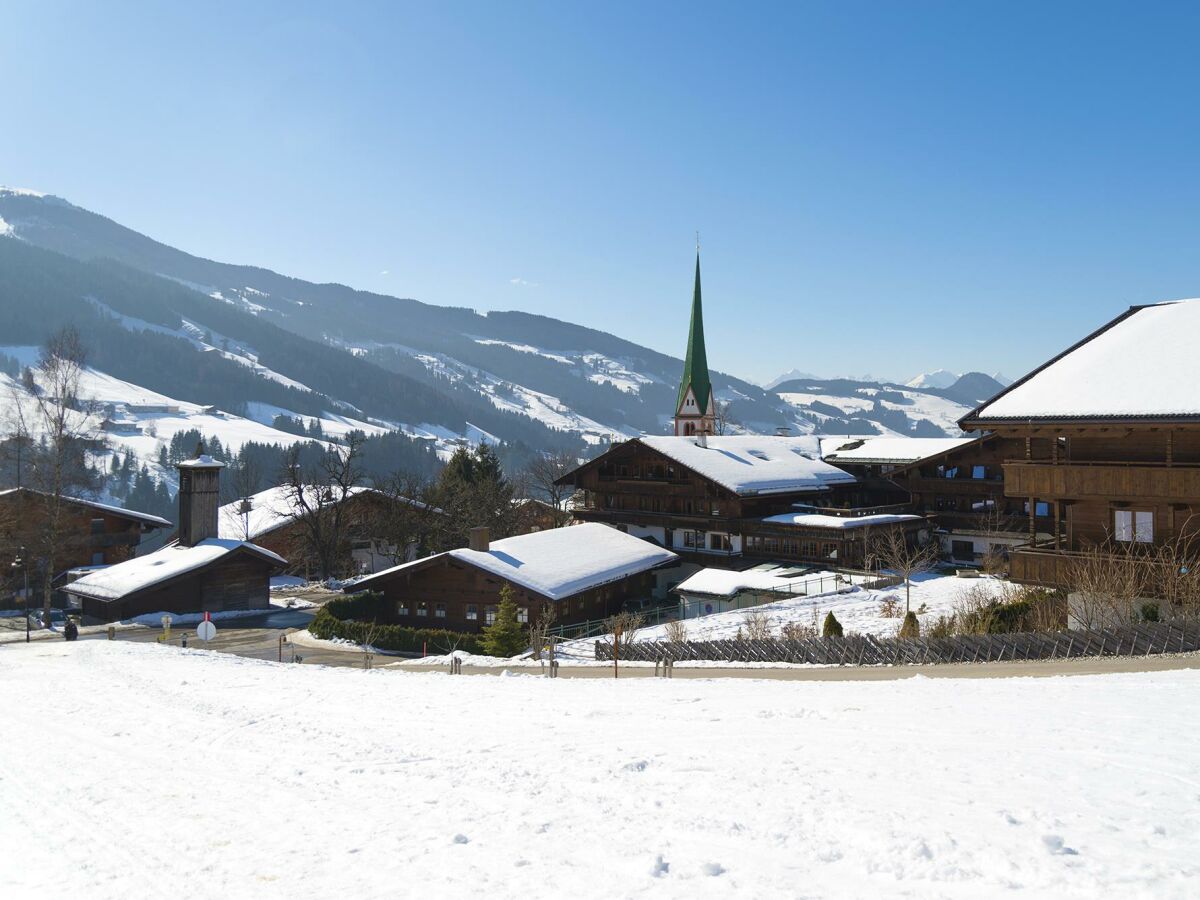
{"points": [[95, 534], [583, 572], [1101, 445], [199, 573], [721, 500]]}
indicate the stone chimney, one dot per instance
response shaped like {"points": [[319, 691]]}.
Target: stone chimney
{"points": [[479, 539], [199, 498]]}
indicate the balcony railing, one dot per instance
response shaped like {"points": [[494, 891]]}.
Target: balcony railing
{"points": [[1045, 479]]}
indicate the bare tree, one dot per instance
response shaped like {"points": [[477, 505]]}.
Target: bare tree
{"points": [[624, 627], [723, 420], [891, 550], [539, 630], [405, 516], [758, 625], [315, 499], [677, 632], [540, 482], [1107, 581], [51, 408]]}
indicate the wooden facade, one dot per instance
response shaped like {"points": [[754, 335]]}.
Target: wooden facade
{"points": [[238, 581], [648, 494], [446, 592]]}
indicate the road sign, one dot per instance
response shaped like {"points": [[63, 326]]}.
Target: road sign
{"points": [[206, 631]]}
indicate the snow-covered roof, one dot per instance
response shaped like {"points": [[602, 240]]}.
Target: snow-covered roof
{"points": [[724, 583], [146, 518], [753, 464], [269, 509], [557, 562], [821, 520], [1143, 364], [142, 572], [886, 449], [203, 461]]}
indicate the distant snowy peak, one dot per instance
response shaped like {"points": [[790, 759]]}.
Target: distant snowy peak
{"points": [[939, 379], [793, 375], [1004, 380]]}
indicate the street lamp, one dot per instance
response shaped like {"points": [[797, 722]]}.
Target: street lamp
{"points": [[19, 563]]}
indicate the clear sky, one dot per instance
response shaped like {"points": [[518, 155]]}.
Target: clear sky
{"points": [[885, 188]]}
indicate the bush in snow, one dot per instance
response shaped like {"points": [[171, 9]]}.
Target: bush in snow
{"points": [[889, 607], [794, 631], [351, 618], [910, 628], [758, 625], [677, 632], [832, 627], [504, 637]]}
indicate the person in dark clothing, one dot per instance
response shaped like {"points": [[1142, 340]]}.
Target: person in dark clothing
{"points": [[70, 630]]}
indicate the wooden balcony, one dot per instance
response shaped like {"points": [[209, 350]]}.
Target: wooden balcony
{"points": [[1047, 480], [1041, 567]]}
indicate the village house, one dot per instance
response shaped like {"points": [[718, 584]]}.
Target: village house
{"points": [[94, 534], [582, 572], [1101, 444], [275, 520], [201, 572]]}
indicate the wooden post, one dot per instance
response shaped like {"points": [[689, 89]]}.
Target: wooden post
{"points": [[1033, 520]]}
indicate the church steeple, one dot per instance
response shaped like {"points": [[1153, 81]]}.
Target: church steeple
{"points": [[695, 411]]}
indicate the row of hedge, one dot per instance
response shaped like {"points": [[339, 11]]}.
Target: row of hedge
{"points": [[350, 618]]}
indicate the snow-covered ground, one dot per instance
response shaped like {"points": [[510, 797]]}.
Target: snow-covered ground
{"points": [[160, 770]]}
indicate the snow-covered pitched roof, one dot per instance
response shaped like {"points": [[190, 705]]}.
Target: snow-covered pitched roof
{"points": [[820, 520], [142, 572], [1143, 364], [556, 563], [269, 509], [753, 464], [724, 583], [886, 449], [146, 518]]}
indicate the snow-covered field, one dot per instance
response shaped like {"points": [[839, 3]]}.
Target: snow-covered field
{"points": [[147, 771]]}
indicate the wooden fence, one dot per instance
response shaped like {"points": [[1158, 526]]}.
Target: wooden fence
{"points": [[1175, 636]]}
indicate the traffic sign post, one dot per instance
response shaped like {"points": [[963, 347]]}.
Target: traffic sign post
{"points": [[206, 630]]}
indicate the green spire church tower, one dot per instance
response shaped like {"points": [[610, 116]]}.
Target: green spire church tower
{"points": [[695, 407]]}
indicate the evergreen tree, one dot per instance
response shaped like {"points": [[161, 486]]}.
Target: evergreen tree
{"points": [[832, 627], [505, 637]]}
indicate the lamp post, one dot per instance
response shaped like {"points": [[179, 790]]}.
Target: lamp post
{"points": [[19, 563]]}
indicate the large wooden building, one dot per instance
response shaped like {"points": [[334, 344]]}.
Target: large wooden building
{"points": [[1101, 445], [583, 572], [94, 534], [724, 500], [201, 572]]}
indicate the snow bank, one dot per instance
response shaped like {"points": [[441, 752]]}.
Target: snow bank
{"points": [[412, 784]]}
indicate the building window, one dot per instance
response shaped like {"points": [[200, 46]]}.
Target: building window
{"points": [[1041, 509], [402, 607], [422, 608], [715, 508], [472, 612], [719, 542], [97, 526], [693, 539], [439, 611], [522, 613], [1134, 526], [489, 615], [979, 471]]}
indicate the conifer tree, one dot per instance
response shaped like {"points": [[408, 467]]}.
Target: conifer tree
{"points": [[910, 630], [832, 627], [504, 637]]}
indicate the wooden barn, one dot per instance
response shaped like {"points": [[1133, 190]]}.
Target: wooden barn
{"points": [[201, 572], [1102, 443], [583, 571]]}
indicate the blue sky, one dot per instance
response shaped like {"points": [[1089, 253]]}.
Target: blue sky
{"points": [[884, 188]]}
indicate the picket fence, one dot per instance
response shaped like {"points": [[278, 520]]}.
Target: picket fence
{"points": [[1144, 639]]}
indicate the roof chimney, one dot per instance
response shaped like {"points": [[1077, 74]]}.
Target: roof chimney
{"points": [[783, 431], [479, 539], [199, 498], [702, 440]]}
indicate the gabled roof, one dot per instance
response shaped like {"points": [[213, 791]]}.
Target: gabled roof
{"points": [[695, 364], [886, 449], [1142, 365], [556, 563], [119, 512], [750, 464], [157, 568], [276, 507]]}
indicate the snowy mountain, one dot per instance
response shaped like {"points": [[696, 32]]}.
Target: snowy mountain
{"points": [[938, 379], [259, 347]]}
